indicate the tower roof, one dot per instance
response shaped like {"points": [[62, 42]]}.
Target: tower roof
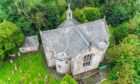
{"points": [[69, 12], [69, 21]]}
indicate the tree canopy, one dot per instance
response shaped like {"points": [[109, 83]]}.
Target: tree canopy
{"points": [[11, 38]]}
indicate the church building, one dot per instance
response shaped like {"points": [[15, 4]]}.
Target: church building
{"points": [[75, 48]]}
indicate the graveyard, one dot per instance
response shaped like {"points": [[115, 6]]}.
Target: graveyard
{"points": [[69, 41], [28, 68]]}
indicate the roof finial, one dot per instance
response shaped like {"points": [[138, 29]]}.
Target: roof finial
{"points": [[69, 12], [68, 6]]}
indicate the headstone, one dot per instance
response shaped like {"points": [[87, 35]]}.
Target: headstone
{"points": [[46, 77], [15, 67], [39, 75], [12, 55], [21, 71], [11, 61], [19, 54]]}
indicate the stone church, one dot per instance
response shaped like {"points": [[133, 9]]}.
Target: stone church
{"points": [[75, 48]]}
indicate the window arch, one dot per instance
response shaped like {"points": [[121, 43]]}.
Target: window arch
{"points": [[87, 60]]}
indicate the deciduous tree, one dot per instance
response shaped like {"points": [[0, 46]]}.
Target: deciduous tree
{"points": [[11, 38]]}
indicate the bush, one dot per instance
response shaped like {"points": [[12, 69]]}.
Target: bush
{"points": [[91, 13], [87, 14], [120, 32], [11, 38], [118, 11], [68, 80]]}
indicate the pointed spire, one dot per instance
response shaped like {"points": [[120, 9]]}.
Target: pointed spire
{"points": [[69, 12]]}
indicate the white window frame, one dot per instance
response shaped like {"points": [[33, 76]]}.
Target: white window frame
{"points": [[87, 60]]}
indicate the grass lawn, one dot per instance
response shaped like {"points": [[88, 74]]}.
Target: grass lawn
{"points": [[29, 66], [107, 82]]}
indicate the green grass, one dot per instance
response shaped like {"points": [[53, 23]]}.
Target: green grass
{"points": [[107, 82], [31, 65]]}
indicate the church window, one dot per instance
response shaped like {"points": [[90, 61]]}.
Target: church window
{"points": [[87, 60]]}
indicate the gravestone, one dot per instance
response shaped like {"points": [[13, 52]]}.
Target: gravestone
{"points": [[21, 71], [39, 75], [12, 55], [11, 61], [19, 54], [15, 67]]}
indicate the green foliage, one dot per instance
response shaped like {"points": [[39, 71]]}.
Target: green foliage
{"points": [[135, 25], [107, 82], [35, 14], [52, 16], [39, 20], [137, 68], [87, 14], [78, 15], [5, 9], [91, 13], [63, 82], [68, 80], [10, 38], [112, 74], [126, 74], [119, 11], [25, 26], [122, 58], [52, 80], [83, 3], [120, 32]]}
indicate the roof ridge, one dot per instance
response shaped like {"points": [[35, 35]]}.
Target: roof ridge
{"points": [[81, 35], [68, 43]]}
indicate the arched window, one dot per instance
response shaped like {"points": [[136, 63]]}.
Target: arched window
{"points": [[87, 60]]}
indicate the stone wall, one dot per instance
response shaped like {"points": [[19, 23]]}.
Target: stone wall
{"points": [[28, 49], [50, 58], [62, 66], [78, 61]]}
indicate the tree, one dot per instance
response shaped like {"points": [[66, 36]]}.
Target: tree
{"points": [[39, 20], [119, 11], [120, 32], [25, 26], [78, 15], [83, 3], [5, 9], [11, 38], [91, 13], [87, 14], [122, 59]]}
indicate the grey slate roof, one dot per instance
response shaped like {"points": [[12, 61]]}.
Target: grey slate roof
{"points": [[69, 22], [72, 38], [31, 41]]}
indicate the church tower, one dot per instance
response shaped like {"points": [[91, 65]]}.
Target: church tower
{"points": [[69, 12]]}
